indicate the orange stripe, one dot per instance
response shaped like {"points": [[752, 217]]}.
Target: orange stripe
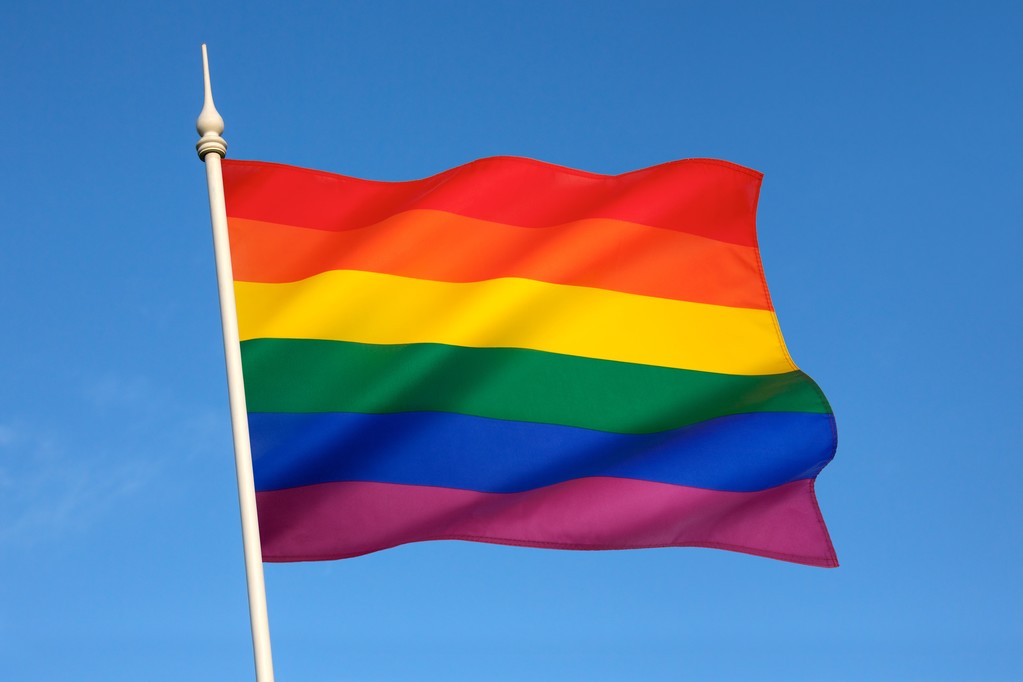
{"points": [[436, 245]]}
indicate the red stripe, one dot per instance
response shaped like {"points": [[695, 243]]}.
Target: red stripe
{"points": [[339, 520], [433, 245], [710, 198]]}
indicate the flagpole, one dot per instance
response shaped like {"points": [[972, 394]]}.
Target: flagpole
{"points": [[212, 148]]}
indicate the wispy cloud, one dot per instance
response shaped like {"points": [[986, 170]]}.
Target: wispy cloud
{"points": [[47, 487], [65, 477]]}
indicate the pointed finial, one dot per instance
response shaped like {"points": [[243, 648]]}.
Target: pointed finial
{"points": [[209, 124]]}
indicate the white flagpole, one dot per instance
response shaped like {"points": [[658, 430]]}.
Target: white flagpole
{"points": [[212, 148]]}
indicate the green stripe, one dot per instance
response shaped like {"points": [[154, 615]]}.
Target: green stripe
{"points": [[304, 375]]}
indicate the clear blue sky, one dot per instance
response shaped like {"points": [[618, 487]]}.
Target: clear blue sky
{"points": [[890, 225]]}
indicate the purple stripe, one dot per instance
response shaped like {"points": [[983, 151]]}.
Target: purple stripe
{"points": [[345, 519]]}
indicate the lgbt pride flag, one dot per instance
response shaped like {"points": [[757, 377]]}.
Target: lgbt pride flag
{"points": [[520, 353]]}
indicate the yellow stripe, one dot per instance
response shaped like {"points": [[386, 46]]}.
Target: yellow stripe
{"points": [[367, 307]]}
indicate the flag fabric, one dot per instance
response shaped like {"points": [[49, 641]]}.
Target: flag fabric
{"points": [[520, 353]]}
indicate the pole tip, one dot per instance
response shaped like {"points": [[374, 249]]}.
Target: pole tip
{"points": [[210, 123]]}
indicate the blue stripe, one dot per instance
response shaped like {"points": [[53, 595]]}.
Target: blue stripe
{"points": [[740, 453]]}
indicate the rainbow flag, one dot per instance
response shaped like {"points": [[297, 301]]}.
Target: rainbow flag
{"points": [[520, 353]]}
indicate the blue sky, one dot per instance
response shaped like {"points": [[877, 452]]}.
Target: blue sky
{"points": [[890, 226]]}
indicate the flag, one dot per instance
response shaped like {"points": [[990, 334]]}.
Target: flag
{"points": [[520, 353]]}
